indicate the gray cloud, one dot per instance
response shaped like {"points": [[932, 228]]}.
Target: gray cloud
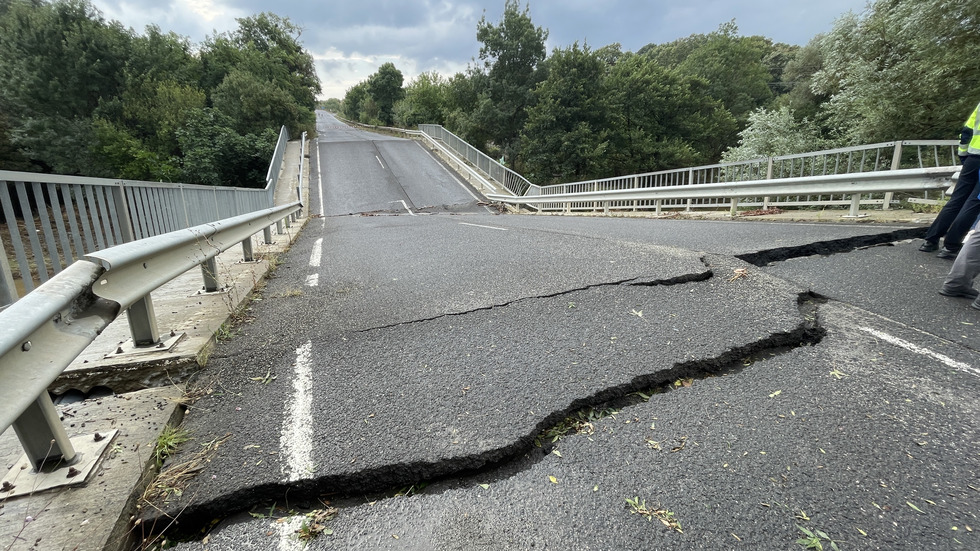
{"points": [[350, 39]]}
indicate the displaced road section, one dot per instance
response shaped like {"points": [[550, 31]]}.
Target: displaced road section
{"points": [[467, 381]]}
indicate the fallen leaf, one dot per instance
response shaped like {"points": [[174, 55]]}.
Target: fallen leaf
{"points": [[777, 393], [553, 479]]}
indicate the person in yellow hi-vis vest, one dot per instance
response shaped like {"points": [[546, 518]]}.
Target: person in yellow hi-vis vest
{"points": [[966, 267], [962, 209]]}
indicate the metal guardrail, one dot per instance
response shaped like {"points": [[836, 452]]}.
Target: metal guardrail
{"points": [[849, 160], [42, 333], [510, 180], [851, 185], [53, 220]]}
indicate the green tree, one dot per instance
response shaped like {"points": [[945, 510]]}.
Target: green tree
{"points": [[774, 133], [334, 105], [734, 70], [59, 60], [661, 119], [354, 98], [255, 104], [424, 101], [385, 88], [565, 134], [901, 69], [511, 52], [215, 154]]}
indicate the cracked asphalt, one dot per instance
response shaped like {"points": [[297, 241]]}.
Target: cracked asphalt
{"points": [[433, 356]]}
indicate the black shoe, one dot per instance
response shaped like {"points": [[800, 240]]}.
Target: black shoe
{"points": [[929, 247], [947, 254], [965, 293]]}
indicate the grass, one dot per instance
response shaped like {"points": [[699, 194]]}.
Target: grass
{"points": [[168, 442], [814, 539]]}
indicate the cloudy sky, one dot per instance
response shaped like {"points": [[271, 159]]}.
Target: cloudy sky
{"points": [[350, 39]]}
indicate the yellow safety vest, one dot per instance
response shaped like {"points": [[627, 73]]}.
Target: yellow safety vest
{"points": [[970, 136]]}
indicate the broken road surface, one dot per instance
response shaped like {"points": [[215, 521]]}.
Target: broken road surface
{"points": [[470, 381]]}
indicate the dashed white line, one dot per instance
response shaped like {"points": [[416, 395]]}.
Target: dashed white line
{"points": [[313, 280], [404, 204], [317, 253], [296, 438], [482, 226], [960, 366]]}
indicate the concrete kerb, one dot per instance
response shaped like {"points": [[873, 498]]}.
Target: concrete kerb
{"points": [[98, 515]]}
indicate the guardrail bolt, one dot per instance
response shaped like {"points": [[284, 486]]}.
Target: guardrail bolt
{"points": [[26, 347]]}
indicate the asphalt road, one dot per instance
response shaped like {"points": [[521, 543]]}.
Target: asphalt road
{"points": [[412, 365]]}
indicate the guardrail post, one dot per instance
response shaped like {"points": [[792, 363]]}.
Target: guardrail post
{"points": [[8, 292], [734, 211], [42, 435], [247, 250], [896, 164], [141, 317], [288, 220], [279, 229], [855, 205], [267, 235], [765, 200], [605, 208], [209, 268], [658, 204]]}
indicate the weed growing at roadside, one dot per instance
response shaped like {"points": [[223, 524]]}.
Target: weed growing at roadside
{"points": [[580, 422], [666, 517], [815, 540], [313, 524], [167, 443]]}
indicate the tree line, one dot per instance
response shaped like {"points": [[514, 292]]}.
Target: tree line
{"points": [[901, 69], [86, 96]]}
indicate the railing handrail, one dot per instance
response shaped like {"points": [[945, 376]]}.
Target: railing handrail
{"points": [[77, 214], [759, 161], [913, 179], [43, 332], [491, 163]]}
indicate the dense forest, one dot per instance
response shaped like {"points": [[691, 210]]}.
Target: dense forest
{"points": [[85, 96], [902, 69]]}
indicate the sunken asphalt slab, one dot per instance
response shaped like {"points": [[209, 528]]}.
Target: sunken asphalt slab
{"points": [[876, 454]]}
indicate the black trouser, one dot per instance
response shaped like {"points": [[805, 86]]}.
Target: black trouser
{"points": [[949, 211], [970, 179]]}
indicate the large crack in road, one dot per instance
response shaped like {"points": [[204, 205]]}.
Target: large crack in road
{"points": [[683, 313]]}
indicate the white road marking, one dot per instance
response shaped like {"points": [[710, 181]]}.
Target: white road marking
{"points": [[288, 539], [296, 438], [454, 177], [960, 366], [317, 253], [379, 161], [404, 204], [482, 226], [319, 175], [313, 280]]}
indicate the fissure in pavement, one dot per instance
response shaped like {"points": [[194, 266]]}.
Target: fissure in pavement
{"points": [[196, 515], [833, 246], [633, 282]]}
